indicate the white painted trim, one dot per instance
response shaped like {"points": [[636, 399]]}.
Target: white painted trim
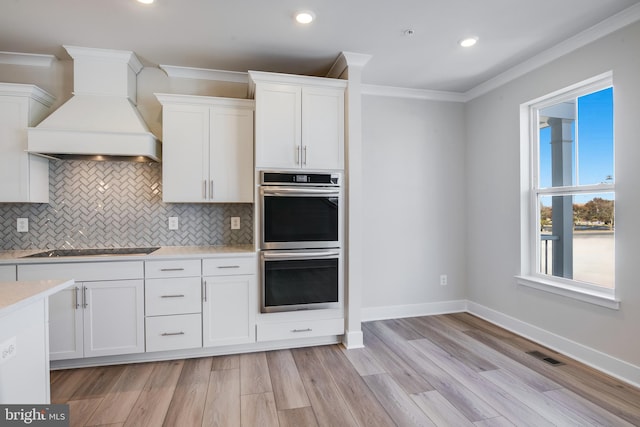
{"points": [[205, 74], [346, 60], [400, 92], [29, 59], [610, 365], [592, 296], [353, 339], [602, 29], [413, 310]]}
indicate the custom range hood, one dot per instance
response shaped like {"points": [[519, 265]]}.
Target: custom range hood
{"points": [[100, 121]]}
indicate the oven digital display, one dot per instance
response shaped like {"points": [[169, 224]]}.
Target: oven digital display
{"points": [[301, 178]]}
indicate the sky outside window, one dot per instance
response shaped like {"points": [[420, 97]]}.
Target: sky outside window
{"points": [[593, 142]]}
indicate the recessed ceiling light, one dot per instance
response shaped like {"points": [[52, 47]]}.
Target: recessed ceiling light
{"points": [[468, 42], [146, 1], [305, 17]]}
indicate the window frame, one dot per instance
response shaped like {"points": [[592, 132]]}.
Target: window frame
{"points": [[531, 191]]}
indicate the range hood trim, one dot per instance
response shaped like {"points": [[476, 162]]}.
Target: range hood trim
{"points": [[93, 143]]}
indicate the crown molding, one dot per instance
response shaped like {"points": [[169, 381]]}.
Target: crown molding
{"points": [[205, 74], [346, 60], [29, 59], [598, 31], [401, 92]]}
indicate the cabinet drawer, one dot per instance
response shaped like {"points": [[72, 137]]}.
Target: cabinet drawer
{"points": [[299, 329], [229, 266], [83, 271], [173, 332], [172, 296], [172, 268]]}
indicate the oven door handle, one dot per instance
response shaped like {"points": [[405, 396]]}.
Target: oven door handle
{"points": [[280, 191], [300, 255]]}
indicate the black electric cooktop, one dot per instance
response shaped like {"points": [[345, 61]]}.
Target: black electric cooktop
{"points": [[92, 252]]}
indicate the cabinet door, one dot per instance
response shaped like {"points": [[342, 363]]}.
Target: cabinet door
{"points": [[65, 324], [322, 128], [114, 318], [185, 153], [23, 177], [231, 154], [278, 135], [7, 273], [228, 310]]}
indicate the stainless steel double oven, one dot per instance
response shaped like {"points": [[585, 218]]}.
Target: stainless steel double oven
{"points": [[301, 227]]}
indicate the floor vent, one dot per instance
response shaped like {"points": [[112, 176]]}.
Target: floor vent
{"points": [[545, 358]]}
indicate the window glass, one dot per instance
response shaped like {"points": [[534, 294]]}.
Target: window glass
{"points": [[575, 147], [589, 257]]}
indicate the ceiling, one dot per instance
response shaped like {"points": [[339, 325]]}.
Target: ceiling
{"points": [[241, 35]]}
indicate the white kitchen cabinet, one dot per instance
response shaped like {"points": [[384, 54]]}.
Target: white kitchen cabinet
{"points": [[173, 304], [24, 177], [299, 121], [207, 149], [229, 301], [113, 317], [102, 315], [7, 273]]}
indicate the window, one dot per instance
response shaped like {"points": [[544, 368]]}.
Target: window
{"points": [[568, 201]]}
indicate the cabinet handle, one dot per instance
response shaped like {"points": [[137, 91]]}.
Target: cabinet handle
{"points": [[211, 189], [204, 189], [77, 289], [168, 334], [172, 269], [84, 297], [297, 154], [301, 330], [304, 161], [228, 266], [204, 290], [171, 296]]}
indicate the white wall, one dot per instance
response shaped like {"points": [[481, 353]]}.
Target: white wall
{"points": [[493, 219], [414, 203]]}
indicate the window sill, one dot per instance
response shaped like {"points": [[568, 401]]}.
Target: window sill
{"points": [[600, 298]]}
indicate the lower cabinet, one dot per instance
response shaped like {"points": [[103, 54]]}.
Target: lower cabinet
{"points": [[229, 302], [101, 315], [175, 332], [228, 312], [97, 319], [7, 273], [300, 329]]}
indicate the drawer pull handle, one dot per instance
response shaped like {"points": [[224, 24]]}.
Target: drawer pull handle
{"points": [[301, 330], [228, 266], [171, 296], [172, 269], [168, 334]]}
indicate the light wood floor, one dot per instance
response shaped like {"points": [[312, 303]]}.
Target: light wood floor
{"points": [[450, 370]]}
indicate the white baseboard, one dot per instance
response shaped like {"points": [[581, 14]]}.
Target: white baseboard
{"points": [[353, 339], [413, 310], [617, 368]]}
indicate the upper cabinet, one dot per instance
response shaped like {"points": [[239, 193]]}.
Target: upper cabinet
{"points": [[299, 121], [24, 177], [207, 149]]}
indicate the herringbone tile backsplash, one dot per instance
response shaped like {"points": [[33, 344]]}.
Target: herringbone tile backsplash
{"points": [[117, 204]]}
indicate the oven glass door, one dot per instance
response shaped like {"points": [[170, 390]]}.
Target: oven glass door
{"points": [[298, 280], [300, 219]]}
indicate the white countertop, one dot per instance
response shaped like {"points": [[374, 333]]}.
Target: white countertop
{"points": [[165, 252], [15, 295]]}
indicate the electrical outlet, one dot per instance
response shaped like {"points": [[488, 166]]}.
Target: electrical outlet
{"points": [[235, 223], [443, 280], [173, 223], [22, 225]]}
